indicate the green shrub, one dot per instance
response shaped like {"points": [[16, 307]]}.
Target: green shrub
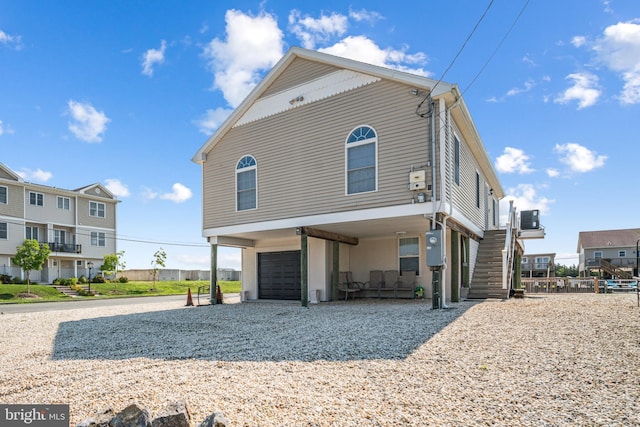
{"points": [[17, 281], [5, 279], [123, 279], [98, 279], [82, 279]]}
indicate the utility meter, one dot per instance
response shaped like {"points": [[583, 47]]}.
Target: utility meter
{"points": [[434, 248]]}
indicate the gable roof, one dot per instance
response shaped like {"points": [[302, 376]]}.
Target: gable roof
{"points": [[608, 238], [4, 170], [438, 90]]}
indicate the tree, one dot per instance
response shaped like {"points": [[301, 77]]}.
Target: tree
{"points": [[159, 260], [112, 264], [31, 256], [565, 271]]}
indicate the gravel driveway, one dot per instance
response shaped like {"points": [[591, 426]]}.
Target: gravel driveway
{"points": [[546, 360]]}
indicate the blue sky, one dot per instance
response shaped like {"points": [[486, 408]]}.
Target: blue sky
{"points": [[124, 93]]}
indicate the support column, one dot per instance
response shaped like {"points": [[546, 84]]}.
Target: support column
{"points": [[455, 266], [465, 264], [213, 278], [304, 270], [335, 271]]}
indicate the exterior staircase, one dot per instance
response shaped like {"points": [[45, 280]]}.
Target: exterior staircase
{"points": [[614, 270], [66, 290], [487, 275]]}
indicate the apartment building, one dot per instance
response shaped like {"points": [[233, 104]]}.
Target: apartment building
{"points": [[78, 225]]}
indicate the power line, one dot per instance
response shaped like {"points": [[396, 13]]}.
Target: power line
{"points": [[497, 47], [457, 54]]}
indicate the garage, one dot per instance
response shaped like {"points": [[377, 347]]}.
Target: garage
{"points": [[279, 275]]}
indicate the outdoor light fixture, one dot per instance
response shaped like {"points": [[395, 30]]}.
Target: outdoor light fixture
{"points": [[90, 266]]}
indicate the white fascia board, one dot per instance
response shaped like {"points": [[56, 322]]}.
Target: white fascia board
{"points": [[459, 217], [316, 220]]}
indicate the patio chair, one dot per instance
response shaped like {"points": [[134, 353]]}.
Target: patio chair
{"points": [[390, 281], [344, 285], [407, 282], [376, 281]]}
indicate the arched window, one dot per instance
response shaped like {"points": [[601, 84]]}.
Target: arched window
{"points": [[362, 160], [246, 184]]}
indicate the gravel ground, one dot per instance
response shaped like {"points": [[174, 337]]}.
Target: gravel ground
{"points": [[545, 360]]}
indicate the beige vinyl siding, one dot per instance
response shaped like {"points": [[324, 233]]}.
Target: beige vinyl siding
{"points": [[299, 72], [109, 221], [15, 201], [464, 195], [312, 139]]}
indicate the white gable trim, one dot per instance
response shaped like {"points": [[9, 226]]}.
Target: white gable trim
{"points": [[324, 87]]}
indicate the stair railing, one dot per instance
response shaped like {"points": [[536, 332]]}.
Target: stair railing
{"points": [[509, 242]]}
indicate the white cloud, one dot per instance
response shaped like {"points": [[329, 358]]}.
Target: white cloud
{"points": [[365, 15], [525, 197], [179, 194], [619, 50], [513, 160], [362, 49], [148, 194], [152, 57], [311, 31], [528, 85], [585, 90], [88, 124], [116, 187], [212, 119], [10, 41], [5, 129], [578, 41], [552, 173], [579, 158], [37, 175], [235, 71]]}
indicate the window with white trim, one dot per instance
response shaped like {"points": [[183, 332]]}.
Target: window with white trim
{"points": [[98, 239], [4, 232], [63, 203], [97, 209], [477, 189], [246, 184], [4, 194], [32, 233], [597, 254], [409, 254], [362, 160], [622, 254], [60, 236], [36, 199]]}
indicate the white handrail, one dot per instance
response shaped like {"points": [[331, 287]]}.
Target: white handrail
{"points": [[507, 252]]}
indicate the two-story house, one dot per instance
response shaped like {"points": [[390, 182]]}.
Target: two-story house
{"points": [[336, 165], [610, 252], [78, 225], [538, 265]]}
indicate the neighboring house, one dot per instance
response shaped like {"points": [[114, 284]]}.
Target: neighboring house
{"points": [[538, 265], [336, 165], [610, 252], [78, 225]]}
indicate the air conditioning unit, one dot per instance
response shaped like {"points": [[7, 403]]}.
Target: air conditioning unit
{"points": [[530, 220]]}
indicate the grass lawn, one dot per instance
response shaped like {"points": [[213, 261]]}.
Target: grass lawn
{"points": [[16, 293]]}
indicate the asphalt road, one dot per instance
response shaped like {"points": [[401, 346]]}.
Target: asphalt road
{"points": [[89, 303]]}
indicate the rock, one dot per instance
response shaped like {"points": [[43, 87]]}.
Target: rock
{"points": [[101, 419], [175, 414], [133, 415], [215, 420]]}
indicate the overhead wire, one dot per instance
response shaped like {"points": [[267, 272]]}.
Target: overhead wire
{"points": [[455, 58]]}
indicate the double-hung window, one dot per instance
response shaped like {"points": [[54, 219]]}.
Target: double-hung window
{"points": [[4, 195], [362, 160], [32, 233], [409, 252], [4, 233], [246, 183], [36, 199], [98, 239], [63, 203], [456, 160], [97, 209]]}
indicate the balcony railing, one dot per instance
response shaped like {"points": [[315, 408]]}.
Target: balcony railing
{"points": [[618, 262], [65, 247], [528, 266]]}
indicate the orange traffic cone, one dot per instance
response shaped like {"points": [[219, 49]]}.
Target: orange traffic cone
{"points": [[189, 299]]}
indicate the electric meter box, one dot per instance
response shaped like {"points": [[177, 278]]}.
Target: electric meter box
{"points": [[434, 248]]}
